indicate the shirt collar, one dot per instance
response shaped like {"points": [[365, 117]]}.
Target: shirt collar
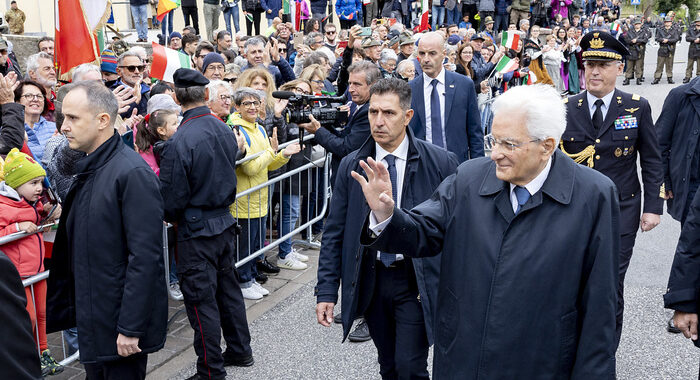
{"points": [[440, 78], [536, 184], [401, 152], [606, 99]]}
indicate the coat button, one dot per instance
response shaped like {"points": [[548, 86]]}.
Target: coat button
{"points": [[627, 138], [632, 195], [597, 157], [597, 141]]}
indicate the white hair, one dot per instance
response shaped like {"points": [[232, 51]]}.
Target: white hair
{"points": [[214, 87], [140, 51], [387, 55], [83, 69], [33, 60], [541, 104], [403, 65]]}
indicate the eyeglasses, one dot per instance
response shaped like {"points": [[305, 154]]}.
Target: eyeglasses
{"points": [[301, 91], [225, 98], [231, 80], [30, 97], [490, 143], [133, 68], [249, 104], [215, 68], [331, 32]]}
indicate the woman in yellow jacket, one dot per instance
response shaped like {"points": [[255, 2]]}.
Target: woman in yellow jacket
{"points": [[251, 210]]}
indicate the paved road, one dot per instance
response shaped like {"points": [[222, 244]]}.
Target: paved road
{"points": [[288, 344]]}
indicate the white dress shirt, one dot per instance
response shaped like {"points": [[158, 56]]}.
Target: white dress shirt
{"points": [[427, 92], [606, 103], [534, 186], [401, 154]]}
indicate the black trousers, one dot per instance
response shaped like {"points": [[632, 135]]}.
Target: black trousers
{"points": [[347, 24], [630, 212], [256, 23], [129, 368], [190, 13], [213, 300], [396, 324]]}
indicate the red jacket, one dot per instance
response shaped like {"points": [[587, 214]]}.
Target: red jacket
{"points": [[27, 253]]}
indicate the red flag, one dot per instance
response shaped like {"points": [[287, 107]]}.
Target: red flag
{"points": [[75, 43]]}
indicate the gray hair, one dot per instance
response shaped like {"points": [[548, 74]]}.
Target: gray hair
{"points": [[99, 98], [544, 111], [214, 87], [405, 63], [372, 73], [395, 86], [386, 55], [450, 49], [246, 92], [83, 69], [127, 54], [33, 60], [523, 21], [310, 38], [253, 41], [140, 51]]}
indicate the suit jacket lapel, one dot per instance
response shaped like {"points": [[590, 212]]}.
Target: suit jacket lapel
{"points": [[585, 114], [613, 112], [420, 103], [449, 97]]}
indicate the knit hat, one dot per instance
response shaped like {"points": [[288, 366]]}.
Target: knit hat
{"points": [[19, 169], [109, 62], [174, 34], [212, 58]]}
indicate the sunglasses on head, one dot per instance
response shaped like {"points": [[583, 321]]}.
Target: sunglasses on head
{"points": [[133, 68]]}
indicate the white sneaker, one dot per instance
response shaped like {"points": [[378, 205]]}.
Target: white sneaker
{"points": [[299, 256], [175, 292], [291, 262], [259, 288], [251, 293]]}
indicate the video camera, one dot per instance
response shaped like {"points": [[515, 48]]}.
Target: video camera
{"points": [[323, 108]]}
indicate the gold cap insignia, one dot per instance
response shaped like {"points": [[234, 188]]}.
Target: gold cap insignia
{"points": [[597, 43], [618, 152]]}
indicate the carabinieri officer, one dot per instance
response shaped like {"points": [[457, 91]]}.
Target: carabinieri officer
{"points": [[606, 129]]}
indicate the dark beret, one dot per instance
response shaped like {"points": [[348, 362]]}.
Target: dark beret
{"points": [[189, 78]]}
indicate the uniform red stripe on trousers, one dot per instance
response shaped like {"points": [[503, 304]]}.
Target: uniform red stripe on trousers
{"points": [[201, 333]]}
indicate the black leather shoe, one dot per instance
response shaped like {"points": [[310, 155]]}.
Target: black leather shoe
{"points": [[642, 79], [267, 267], [261, 278], [639, 81], [655, 81], [361, 333], [238, 361], [194, 377], [670, 81], [671, 328], [626, 82], [686, 80], [338, 318]]}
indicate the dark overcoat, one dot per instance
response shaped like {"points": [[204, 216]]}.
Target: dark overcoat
{"points": [[343, 259], [526, 296], [678, 128], [107, 271]]}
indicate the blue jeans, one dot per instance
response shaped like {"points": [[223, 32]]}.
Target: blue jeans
{"points": [[167, 23], [232, 13], [70, 336], [140, 15], [438, 14], [250, 240], [500, 22], [454, 16], [289, 217]]}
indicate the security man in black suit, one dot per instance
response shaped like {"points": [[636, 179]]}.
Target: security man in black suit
{"points": [[606, 129], [198, 184]]}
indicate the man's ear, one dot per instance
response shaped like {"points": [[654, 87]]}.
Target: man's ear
{"points": [[104, 121]]}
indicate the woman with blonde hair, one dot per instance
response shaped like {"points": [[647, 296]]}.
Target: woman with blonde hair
{"points": [[314, 74], [258, 78]]}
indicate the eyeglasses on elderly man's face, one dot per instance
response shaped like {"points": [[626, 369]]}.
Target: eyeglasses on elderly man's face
{"points": [[491, 143]]}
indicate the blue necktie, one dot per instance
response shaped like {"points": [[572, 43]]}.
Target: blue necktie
{"points": [[389, 258], [435, 119], [522, 195]]}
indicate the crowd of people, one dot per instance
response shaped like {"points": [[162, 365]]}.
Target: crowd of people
{"points": [[115, 153]]}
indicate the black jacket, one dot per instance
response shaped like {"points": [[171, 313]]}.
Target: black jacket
{"points": [[678, 128], [107, 274], [17, 350], [682, 293], [636, 49], [694, 48], [11, 127], [198, 175]]}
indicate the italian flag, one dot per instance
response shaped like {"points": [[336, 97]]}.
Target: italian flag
{"points": [[506, 65], [166, 61], [530, 79], [614, 27], [510, 40], [165, 6], [76, 26], [424, 15]]}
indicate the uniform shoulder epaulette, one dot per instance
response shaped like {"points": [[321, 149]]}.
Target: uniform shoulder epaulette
{"points": [[565, 100], [636, 97]]}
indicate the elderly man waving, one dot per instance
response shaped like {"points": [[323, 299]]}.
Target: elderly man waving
{"points": [[529, 243]]}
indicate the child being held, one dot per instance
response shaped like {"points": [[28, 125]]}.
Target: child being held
{"points": [[21, 187]]}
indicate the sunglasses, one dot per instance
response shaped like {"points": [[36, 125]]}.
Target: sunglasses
{"points": [[230, 80], [283, 50], [331, 32], [133, 68]]}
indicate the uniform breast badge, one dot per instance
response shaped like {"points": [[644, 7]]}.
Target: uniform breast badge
{"points": [[618, 152], [631, 110], [625, 122]]}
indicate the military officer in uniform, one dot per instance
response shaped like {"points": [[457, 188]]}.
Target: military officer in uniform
{"points": [[636, 38], [693, 36], [198, 184], [606, 129], [667, 37]]}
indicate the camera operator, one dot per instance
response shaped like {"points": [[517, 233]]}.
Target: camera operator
{"points": [[362, 75]]}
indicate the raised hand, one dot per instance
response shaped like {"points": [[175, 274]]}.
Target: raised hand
{"points": [[377, 188], [292, 149], [273, 140]]}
